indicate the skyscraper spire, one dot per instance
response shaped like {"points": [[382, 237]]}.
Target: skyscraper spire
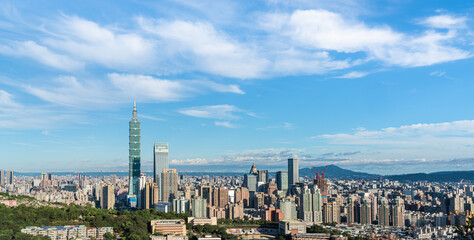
{"points": [[134, 153]]}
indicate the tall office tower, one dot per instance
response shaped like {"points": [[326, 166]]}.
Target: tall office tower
{"points": [[9, 176], [2, 177], [288, 208], [50, 176], [331, 212], [250, 182], [107, 200], [169, 185], [199, 207], [160, 161], [282, 180], [262, 176], [134, 154], [384, 212], [223, 196], [366, 212], [215, 197], [44, 177], [206, 193], [242, 195], [293, 174], [149, 196], [398, 212]]}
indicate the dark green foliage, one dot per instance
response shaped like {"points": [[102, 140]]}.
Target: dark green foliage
{"points": [[129, 224]]}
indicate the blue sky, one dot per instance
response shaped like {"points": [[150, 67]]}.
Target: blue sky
{"points": [[375, 86]]}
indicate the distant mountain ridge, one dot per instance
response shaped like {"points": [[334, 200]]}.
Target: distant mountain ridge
{"points": [[334, 171], [445, 176]]}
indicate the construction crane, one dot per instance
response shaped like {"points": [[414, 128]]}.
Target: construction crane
{"points": [[317, 173], [322, 173]]}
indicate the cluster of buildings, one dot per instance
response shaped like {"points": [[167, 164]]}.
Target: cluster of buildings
{"points": [[78, 232], [380, 208]]}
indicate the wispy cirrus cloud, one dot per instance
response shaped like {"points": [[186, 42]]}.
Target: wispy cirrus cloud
{"points": [[120, 88], [224, 112], [354, 74], [445, 21], [15, 115]]}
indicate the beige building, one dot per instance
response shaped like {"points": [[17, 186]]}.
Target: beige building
{"points": [[107, 200], [202, 221], [169, 185], [176, 227]]}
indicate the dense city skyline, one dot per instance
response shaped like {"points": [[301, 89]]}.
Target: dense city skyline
{"points": [[384, 89]]}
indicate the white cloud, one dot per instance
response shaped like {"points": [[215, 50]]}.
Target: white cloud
{"points": [[322, 30], [446, 134], [445, 21], [205, 48], [285, 125], [120, 88], [354, 74], [14, 115], [87, 40], [189, 161], [225, 112], [226, 124], [42, 54]]}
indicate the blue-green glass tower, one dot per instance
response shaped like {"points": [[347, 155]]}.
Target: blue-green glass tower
{"points": [[134, 153]]}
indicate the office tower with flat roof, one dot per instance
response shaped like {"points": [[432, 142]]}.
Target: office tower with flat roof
{"points": [[9, 176], [293, 168], [108, 197], [282, 180], [134, 154], [160, 162], [50, 176], [199, 207], [169, 185], [262, 176], [2, 177]]}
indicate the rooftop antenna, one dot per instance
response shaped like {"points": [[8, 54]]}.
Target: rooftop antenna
{"points": [[134, 102]]}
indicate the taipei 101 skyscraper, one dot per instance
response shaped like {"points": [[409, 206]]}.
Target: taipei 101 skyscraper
{"points": [[134, 153]]}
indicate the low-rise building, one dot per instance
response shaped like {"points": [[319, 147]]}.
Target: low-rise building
{"points": [[175, 227]]}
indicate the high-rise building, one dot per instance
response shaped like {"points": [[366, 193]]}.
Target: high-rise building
{"points": [[250, 182], [206, 193], [199, 207], [262, 176], [398, 213], [293, 171], [107, 200], [282, 180], [9, 176], [44, 176], [288, 208], [169, 185], [181, 205], [2, 177], [134, 154], [331, 212], [149, 196], [160, 161], [310, 209], [366, 211], [223, 196], [384, 213]]}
